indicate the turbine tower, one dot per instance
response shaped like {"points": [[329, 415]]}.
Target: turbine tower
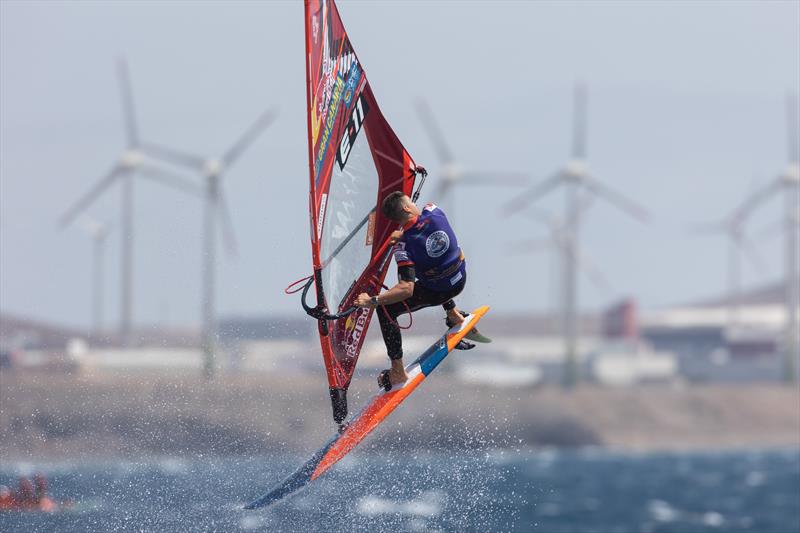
{"points": [[580, 186], [215, 209], [130, 163], [452, 174], [788, 184]]}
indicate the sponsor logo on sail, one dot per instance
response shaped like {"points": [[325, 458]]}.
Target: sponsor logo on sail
{"points": [[355, 330], [329, 123]]}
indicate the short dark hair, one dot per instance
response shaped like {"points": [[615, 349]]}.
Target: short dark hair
{"points": [[392, 206]]}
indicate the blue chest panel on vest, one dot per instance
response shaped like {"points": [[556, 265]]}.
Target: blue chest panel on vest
{"points": [[431, 246]]}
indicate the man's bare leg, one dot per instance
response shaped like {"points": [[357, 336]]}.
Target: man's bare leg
{"points": [[454, 317]]}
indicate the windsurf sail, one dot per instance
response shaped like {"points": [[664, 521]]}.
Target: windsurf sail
{"points": [[355, 161]]}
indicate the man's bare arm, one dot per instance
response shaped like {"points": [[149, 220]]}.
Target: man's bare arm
{"points": [[402, 291]]}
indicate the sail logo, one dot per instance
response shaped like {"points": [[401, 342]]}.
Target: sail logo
{"points": [[350, 323], [334, 65], [437, 243], [355, 329], [351, 131], [329, 123], [370, 229], [352, 82], [343, 63]]}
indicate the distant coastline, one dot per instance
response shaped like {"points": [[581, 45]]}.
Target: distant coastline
{"points": [[48, 416]]}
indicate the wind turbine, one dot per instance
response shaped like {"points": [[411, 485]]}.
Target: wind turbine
{"points": [[559, 241], [732, 227], [452, 174], [98, 232], [787, 183], [580, 186], [130, 163], [215, 205]]}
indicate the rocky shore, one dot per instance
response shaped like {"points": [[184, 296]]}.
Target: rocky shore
{"points": [[46, 416]]}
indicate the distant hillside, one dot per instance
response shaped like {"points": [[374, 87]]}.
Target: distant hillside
{"points": [[47, 416]]}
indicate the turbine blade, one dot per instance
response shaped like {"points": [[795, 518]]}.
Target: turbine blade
{"points": [[171, 155], [91, 195], [593, 273], [434, 132], [131, 131], [617, 199], [171, 180], [749, 205], [261, 123], [513, 179], [579, 122], [537, 190], [226, 224]]}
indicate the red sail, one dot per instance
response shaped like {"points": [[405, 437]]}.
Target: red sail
{"points": [[355, 161]]}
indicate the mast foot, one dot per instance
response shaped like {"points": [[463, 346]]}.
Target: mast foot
{"points": [[339, 404]]}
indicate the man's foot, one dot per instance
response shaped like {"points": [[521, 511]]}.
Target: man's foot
{"points": [[389, 378], [473, 334], [454, 319]]}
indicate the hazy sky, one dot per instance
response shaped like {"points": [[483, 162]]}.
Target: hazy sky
{"points": [[686, 114]]}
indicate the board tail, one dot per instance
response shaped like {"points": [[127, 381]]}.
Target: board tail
{"points": [[295, 481]]}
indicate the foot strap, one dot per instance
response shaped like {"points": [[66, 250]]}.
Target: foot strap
{"points": [[450, 324], [384, 381]]}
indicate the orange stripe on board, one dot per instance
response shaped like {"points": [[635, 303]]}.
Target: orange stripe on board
{"points": [[366, 422], [383, 405]]}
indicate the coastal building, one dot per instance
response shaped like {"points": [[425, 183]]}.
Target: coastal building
{"points": [[723, 340]]}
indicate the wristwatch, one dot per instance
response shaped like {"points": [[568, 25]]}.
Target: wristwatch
{"points": [[374, 301]]}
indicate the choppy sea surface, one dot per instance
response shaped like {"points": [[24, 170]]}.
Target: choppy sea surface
{"points": [[570, 492]]}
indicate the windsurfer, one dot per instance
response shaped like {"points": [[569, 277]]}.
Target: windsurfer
{"points": [[431, 270]]}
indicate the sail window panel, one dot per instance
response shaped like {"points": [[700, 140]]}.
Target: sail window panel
{"points": [[351, 198]]}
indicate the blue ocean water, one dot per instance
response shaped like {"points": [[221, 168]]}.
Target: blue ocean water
{"points": [[575, 492]]}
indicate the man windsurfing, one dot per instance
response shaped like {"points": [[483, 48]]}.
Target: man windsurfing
{"points": [[431, 270]]}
